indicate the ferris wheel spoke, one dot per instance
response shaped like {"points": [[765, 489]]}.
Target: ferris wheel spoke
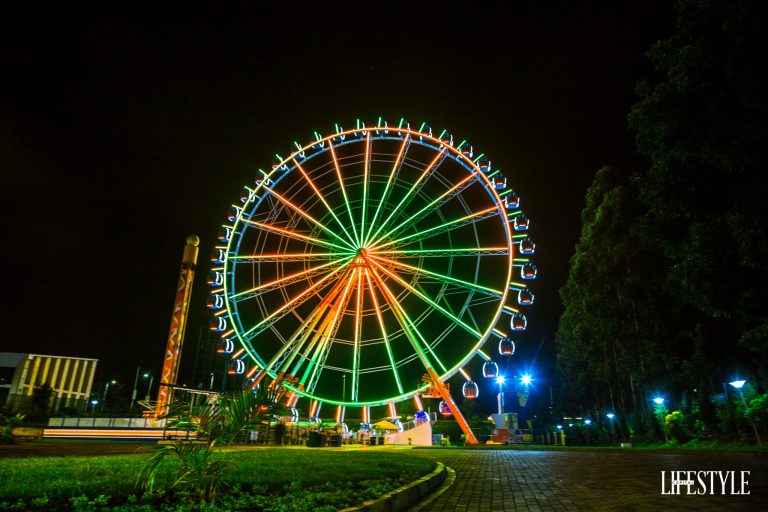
{"points": [[434, 204], [310, 218], [294, 302], [387, 188], [366, 173], [286, 257], [317, 315], [343, 191], [326, 334], [442, 253], [383, 331], [441, 277], [409, 326], [285, 280], [297, 236], [426, 299], [322, 200], [358, 334], [284, 356], [446, 226], [406, 198]]}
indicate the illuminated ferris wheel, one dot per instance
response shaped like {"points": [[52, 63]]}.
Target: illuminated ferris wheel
{"points": [[366, 259]]}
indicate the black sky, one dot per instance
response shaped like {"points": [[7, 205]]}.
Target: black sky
{"points": [[121, 134]]}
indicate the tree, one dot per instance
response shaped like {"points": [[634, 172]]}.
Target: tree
{"points": [[702, 124]]}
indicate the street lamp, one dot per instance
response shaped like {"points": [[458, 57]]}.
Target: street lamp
{"points": [[106, 389], [610, 417], [149, 388], [135, 386], [587, 422], [660, 410], [738, 384], [500, 381]]}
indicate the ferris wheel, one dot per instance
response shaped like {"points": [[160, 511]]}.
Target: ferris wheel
{"points": [[366, 259]]}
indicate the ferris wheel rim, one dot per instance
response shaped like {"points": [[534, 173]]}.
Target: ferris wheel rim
{"points": [[283, 168]]}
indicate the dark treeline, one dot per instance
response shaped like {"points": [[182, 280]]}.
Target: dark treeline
{"points": [[668, 291]]}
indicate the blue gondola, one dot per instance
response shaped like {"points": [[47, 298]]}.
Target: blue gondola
{"points": [[519, 322], [215, 278], [218, 324], [529, 271], [470, 390], [525, 297], [215, 301], [506, 346], [521, 223], [490, 369], [527, 246]]}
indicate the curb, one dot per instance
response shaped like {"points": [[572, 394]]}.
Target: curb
{"points": [[404, 496]]}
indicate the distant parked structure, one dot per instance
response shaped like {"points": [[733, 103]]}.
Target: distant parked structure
{"points": [[70, 379]]}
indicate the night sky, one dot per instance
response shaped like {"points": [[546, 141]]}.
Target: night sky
{"points": [[121, 135]]}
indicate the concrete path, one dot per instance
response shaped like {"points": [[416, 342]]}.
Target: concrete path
{"points": [[502, 480]]}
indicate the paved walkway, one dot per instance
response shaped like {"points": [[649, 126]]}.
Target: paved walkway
{"points": [[573, 481]]}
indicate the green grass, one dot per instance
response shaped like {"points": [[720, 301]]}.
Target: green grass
{"points": [[263, 479]]}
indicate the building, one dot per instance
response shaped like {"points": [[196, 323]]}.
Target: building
{"points": [[70, 379]]}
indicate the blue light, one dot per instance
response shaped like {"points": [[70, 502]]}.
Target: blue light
{"points": [[658, 400], [587, 422], [526, 379], [610, 415], [738, 384], [500, 379]]}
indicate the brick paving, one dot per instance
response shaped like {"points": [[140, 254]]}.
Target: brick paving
{"points": [[500, 480]]}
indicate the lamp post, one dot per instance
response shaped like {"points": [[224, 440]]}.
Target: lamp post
{"points": [[738, 384], [135, 385], [106, 390], [149, 388], [610, 417], [660, 410], [500, 381]]}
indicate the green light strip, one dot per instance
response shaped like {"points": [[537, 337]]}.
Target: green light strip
{"points": [[427, 300], [291, 302], [366, 171], [405, 321], [297, 275], [441, 226], [290, 234], [443, 277], [358, 333], [385, 196], [304, 329], [407, 196], [302, 256], [322, 199], [410, 219], [469, 251], [317, 315], [312, 365], [344, 192], [310, 218], [383, 331]]}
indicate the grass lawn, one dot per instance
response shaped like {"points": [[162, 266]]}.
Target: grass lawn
{"points": [[260, 479]]}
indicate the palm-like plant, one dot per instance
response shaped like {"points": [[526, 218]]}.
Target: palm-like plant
{"points": [[218, 421]]}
